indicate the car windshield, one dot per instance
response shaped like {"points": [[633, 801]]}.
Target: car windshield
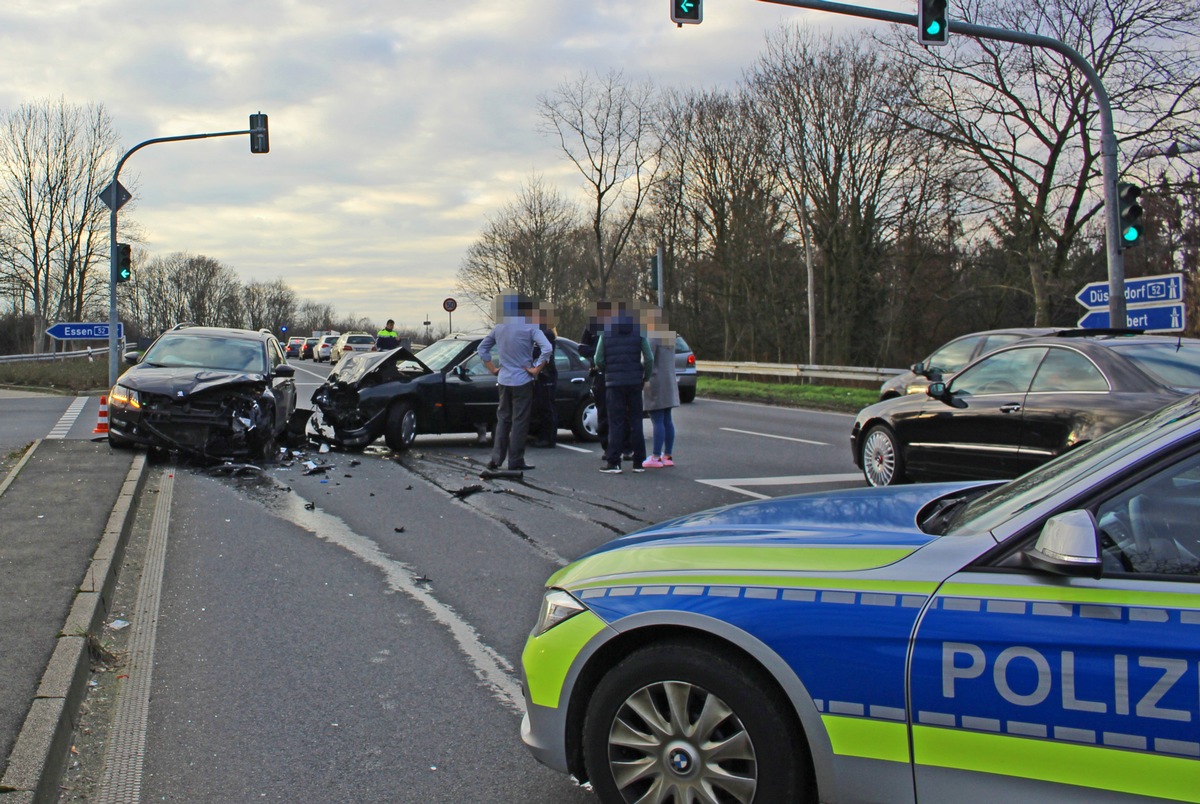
{"points": [[1001, 504], [1173, 364], [185, 350], [438, 356]]}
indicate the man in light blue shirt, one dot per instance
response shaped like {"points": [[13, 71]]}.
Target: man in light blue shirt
{"points": [[514, 338]]}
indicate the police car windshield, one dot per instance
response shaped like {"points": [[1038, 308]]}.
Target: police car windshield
{"points": [[1003, 503]]}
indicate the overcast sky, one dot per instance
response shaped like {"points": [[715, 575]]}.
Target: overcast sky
{"points": [[397, 126]]}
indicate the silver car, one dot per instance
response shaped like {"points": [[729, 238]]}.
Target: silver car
{"points": [[685, 369]]}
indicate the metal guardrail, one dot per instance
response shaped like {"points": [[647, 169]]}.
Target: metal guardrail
{"points": [[797, 371], [45, 356]]}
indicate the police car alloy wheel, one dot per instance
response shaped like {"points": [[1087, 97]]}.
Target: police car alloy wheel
{"points": [[675, 722]]}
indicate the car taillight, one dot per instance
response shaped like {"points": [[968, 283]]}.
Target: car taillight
{"points": [[691, 360]]}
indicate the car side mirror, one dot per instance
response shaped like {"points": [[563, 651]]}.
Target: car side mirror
{"points": [[285, 371], [917, 368], [936, 390], [131, 357], [1069, 544]]}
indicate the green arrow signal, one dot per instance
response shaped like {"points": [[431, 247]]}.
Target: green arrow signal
{"points": [[686, 6]]}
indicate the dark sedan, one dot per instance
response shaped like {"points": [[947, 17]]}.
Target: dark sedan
{"points": [[1018, 407], [444, 388]]}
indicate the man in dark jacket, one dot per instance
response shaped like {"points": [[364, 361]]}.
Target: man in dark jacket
{"points": [[624, 355], [587, 347], [545, 387]]}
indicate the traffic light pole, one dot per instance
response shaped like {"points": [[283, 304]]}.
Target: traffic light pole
{"points": [[1108, 137], [113, 357]]}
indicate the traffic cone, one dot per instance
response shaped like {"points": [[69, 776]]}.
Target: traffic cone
{"points": [[102, 418]]}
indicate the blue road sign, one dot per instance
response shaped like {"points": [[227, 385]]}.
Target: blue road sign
{"points": [[1155, 318], [83, 332], [1143, 290]]}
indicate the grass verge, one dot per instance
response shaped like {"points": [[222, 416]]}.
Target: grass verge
{"points": [[815, 397], [75, 376]]}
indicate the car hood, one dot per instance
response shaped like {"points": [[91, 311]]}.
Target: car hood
{"points": [[178, 383], [845, 531], [356, 365]]}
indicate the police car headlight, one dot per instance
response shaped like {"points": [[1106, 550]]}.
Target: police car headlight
{"points": [[124, 397], [557, 607]]}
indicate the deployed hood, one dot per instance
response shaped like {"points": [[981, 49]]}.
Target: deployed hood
{"points": [[179, 383], [353, 367], [857, 529]]}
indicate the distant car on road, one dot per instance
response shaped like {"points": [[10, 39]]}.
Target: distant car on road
{"points": [[295, 346], [306, 352], [685, 370], [351, 342], [444, 388], [211, 392], [952, 356], [1018, 407], [323, 348]]}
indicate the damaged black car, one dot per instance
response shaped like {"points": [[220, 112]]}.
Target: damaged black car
{"points": [[444, 388], [209, 392]]}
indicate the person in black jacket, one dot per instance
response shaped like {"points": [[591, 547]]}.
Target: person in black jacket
{"points": [[545, 386], [624, 355], [587, 348]]}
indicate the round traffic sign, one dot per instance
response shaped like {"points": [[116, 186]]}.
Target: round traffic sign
{"points": [[449, 305]]}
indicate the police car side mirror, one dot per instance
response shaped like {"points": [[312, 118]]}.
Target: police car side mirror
{"points": [[1069, 544]]}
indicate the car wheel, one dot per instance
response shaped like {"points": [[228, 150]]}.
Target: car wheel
{"points": [[677, 722], [882, 463], [118, 442], [687, 395], [586, 422], [401, 426]]}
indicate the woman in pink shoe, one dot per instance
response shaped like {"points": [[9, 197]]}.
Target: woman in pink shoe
{"points": [[661, 393]]}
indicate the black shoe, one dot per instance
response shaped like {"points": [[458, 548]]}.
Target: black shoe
{"points": [[611, 468], [637, 468], [493, 466], [524, 467]]}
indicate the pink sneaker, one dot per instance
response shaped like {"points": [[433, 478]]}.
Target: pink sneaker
{"points": [[666, 461], [653, 463]]}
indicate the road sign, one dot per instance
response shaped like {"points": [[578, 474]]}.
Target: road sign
{"points": [[1143, 290], [449, 305], [1154, 318], [106, 195], [83, 332]]}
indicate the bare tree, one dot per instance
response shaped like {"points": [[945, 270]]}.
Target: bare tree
{"points": [[53, 162], [606, 127], [1028, 118]]}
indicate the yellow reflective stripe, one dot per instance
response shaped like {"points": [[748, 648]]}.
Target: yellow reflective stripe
{"points": [[547, 658], [1062, 763], [686, 558], [1072, 594], [867, 738]]}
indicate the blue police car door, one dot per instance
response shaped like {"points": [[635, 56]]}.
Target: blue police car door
{"points": [[1058, 687]]}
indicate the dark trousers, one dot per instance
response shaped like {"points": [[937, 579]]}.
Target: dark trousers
{"points": [[543, 411], [624, 404], [600, 396], [512, 424]]}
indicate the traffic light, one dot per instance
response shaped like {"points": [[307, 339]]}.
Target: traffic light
{"points": [[931, 22], [259, 141], [124, 262], [687, 11], [1130, 212]]}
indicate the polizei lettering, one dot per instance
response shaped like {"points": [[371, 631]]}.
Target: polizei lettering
{"points": [[1142, 686]]}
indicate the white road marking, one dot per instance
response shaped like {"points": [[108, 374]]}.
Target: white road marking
{"points": [[60, 430], [781, 438], [574, 449], [735, 483]]}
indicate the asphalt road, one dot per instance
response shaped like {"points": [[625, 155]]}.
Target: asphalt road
{"points": [[356, 634]]}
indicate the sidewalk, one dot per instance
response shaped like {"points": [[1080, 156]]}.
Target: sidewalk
{"points": [[65, 513]]}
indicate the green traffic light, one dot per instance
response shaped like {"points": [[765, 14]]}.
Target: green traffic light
{"points": [[1132, 234], [934, 28]]}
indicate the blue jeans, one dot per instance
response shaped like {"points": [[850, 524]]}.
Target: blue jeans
{"points": [[664, 431]]}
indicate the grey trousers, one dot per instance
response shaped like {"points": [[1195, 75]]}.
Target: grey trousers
{"points": [[512, 424]]}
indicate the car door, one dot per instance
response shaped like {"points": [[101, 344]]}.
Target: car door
{"points": [[284, 388], [1067, 392], [974, 429], [574, 381], [1031, 685], [471, 394]]}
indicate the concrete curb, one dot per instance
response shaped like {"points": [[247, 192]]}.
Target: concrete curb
{"points": [[39, 757]]}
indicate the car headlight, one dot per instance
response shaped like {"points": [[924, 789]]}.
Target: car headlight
{"points": [[125, 397], [557, 607]]}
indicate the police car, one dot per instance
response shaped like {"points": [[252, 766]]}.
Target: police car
{"points": [[943, 642]]}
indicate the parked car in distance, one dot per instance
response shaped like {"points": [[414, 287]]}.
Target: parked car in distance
{"points": [[685, 370], [444, 388], [306, 352], [211, 392], [323, 348], [1016, 408], [349, 342], [1031, 641], [295, 346], [952, 356]]}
